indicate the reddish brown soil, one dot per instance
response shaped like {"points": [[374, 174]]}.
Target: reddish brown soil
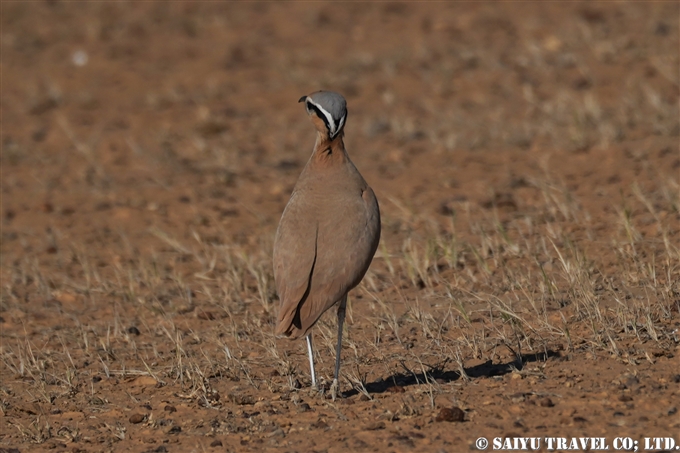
{"points": [[526, 159]]}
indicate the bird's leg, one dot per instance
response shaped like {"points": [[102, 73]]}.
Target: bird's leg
{"points": [[338, 349], [310, 351]]}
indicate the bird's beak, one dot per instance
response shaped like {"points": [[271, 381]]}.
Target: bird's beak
{"points": [[302, 99]]}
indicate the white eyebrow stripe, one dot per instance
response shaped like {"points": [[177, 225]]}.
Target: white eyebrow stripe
{"points": [[329, 117], [342, 122]]}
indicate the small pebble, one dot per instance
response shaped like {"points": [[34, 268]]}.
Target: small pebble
{"points": [[79, 58], [137, 418], [206, 315], [133, 330], [546, 402], [304, 407], [450, 414], [319, 424]]}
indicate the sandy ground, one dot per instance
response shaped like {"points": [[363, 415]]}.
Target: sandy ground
{"points": [[526, 160]]}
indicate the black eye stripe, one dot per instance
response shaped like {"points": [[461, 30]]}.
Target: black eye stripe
{"points": [[319, 113]]}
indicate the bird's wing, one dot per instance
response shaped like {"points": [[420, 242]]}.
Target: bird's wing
{"points": [[294, 259], [346, 244]]}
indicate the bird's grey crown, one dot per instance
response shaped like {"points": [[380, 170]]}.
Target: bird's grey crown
{"points": [[331, 107]]}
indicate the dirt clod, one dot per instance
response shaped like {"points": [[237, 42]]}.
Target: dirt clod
{"points": [[159, 449], [374, 426], [240, 399], [450, 414], [546, 402], [319, 424], [304, 407]]}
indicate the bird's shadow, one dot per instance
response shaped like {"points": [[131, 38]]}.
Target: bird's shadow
{"points": [[439, 374]]}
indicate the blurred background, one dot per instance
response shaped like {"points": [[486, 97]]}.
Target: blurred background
{"points": [[112, 89]]}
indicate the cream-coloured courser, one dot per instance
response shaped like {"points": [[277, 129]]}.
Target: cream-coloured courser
{"points": [[328, 232]]}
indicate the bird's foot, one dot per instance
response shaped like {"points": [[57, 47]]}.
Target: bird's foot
{"points": [[317, 390], [334, 389]]}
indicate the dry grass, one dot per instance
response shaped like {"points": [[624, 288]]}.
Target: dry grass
{"points": [[434, 300]]}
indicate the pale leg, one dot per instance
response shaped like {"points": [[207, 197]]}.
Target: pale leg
{"points": [[310, 351], [338, 349]]}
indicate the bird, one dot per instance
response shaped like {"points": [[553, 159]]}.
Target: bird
{"points": [[328, 232]]}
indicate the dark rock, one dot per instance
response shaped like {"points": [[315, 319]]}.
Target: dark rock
{"points": [[137, 418], [546, 402], [450, 414], [133, 330]]}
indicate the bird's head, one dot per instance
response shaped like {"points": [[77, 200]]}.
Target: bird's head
{"points": [[328, 111]]}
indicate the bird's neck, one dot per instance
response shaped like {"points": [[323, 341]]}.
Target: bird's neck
{"points": [[329, 152]]}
